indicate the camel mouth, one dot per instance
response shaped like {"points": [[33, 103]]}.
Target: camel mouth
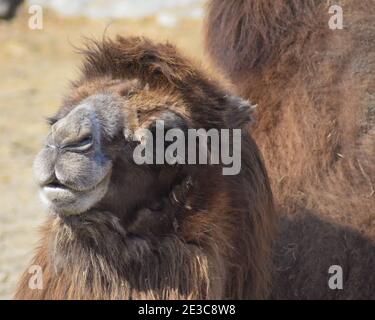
{"points": [[64, 200], [55, 185]]}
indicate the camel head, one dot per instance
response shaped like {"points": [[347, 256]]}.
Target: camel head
{"points": [[87, 161], [130, 230]]}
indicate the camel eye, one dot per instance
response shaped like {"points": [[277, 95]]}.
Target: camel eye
{"points": [[82, 145]]}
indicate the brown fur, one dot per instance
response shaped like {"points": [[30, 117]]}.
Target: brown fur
{"points": [[217, 246], [315, 90]]}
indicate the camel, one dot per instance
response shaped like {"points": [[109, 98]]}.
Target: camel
{"points": [[120, 230], [315, 125]]}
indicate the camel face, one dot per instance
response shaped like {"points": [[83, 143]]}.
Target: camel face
{"points": [[73, 169], [87, 161]]}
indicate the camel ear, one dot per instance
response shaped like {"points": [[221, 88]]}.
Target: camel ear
{"points": [[239, 112]]}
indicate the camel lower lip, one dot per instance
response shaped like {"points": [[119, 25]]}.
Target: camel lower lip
{"points": [[62, 188], [49, 188], [52, 193]]}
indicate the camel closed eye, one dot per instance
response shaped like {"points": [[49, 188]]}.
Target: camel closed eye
{"points": [[79, 146]]}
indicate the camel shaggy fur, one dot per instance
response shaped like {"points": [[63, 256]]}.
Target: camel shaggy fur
{"points": [[114, 231], [315, 125]]}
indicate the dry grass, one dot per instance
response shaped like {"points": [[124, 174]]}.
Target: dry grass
{"points": [[35, 68]]}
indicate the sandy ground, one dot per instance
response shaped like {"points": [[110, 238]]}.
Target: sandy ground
{"points": [[35, 67]]}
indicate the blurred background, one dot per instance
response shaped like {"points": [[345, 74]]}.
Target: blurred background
{"points": [[35, 68]]}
